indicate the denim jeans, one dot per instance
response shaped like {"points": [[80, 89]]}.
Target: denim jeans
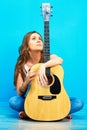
{"points": [[17, 103]]}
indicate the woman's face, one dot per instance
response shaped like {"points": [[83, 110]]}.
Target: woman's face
{"points": [[35, 43]]}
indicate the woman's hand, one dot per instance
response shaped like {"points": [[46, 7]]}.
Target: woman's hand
{"points": [[23, 85], [42, 79], [30, 76]]}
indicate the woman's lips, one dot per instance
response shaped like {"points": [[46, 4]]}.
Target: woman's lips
{"points": [[38, 44]]}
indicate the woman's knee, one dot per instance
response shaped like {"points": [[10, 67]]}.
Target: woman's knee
{"points": [[80, 103], [17, 103], [76, 104]]}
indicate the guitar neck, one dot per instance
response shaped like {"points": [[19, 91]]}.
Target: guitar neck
{"points": [[46, 45], [46, 41]]}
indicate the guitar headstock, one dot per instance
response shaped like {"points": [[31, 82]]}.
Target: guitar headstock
{"points": [[46, 11]]}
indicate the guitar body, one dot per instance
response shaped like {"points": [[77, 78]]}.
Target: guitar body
{"points": [[44, 103]]}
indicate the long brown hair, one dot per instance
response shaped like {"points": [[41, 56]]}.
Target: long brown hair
{"points": [[24, 56]]}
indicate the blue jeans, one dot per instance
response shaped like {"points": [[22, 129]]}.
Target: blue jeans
{"points": [[17, 103]]}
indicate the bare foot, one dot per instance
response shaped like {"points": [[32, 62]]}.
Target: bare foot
{"points": [[22, 115], [69, 117]]}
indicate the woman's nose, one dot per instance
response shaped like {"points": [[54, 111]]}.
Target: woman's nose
{"points": [[38, 40]]}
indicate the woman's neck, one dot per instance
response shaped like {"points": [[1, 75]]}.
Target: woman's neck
{"points": [[35, 57]]}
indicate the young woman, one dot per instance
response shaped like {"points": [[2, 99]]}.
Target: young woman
{"points": [[31, 53]]}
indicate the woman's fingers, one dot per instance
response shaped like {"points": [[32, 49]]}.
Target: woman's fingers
{"points": [[42, 80], [41, 77], [30, 75]]}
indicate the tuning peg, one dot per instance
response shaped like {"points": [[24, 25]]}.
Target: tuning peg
{"points": [[51, 6], [51, 15], [40, 6]]}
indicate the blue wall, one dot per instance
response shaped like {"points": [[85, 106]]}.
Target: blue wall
{"points": [[68, 36]]}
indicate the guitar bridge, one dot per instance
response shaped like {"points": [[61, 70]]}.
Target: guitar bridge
{"points": [[46, 97]]}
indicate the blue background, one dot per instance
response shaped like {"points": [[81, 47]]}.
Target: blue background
{"points": [[68, 36]]}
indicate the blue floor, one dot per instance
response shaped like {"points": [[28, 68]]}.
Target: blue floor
{"points": [[9, 121]]}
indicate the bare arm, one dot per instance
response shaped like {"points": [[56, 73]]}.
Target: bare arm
{"points": [[54, 60], [23, 85]]}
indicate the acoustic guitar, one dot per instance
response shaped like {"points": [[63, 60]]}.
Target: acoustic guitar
{"points": [[49, 103]]}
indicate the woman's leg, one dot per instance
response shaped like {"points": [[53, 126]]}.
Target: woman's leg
{"points": [[76, 105], [17, 103]]}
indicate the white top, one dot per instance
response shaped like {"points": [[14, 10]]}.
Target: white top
{"points": [[26, 68]]}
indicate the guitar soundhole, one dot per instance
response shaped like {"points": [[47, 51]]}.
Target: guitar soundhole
{"points": [[55, 85], [55, 88]]}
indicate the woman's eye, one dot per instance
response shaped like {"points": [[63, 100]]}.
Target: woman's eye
{"points": [[33, 38], [40, 38]]}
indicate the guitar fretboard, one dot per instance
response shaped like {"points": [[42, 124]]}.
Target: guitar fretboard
{"points": [[46, 45], [46, 41]]}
